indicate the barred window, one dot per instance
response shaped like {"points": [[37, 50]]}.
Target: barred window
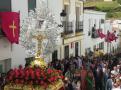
{"points": [[31, 5], [5, 5]]}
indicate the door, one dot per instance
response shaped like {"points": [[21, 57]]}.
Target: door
{"points": [[55, 55], [1, 68], [66, 51], [76, 49]]}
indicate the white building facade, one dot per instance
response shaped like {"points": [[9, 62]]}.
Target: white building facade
{"points": [[72, 25], [114, 26], [92, 42], [91, 19], [12, 55]]}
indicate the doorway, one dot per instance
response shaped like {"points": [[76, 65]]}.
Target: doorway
{"points": [[66, 51], [76, 49]]}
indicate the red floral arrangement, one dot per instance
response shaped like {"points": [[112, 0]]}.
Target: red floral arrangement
{"points": [[33, 76]]}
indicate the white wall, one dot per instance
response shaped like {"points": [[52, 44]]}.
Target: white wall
{"points": [[56, 7], [5, 48], [17, 56], [22, 6], [18, 52], [95, 16], [90, 42]]}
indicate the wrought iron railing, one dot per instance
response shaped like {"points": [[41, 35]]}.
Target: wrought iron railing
{"points": [[79, 26], [68, 27]]}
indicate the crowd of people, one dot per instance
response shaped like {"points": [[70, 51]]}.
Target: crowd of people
{"points": [[91, 73]]}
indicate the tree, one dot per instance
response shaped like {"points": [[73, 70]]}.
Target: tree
{"points": [[119, 1]]}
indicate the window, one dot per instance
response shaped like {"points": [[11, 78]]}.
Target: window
{"points": [[88, 50], [95, 22], [5, 65], [66, 51], [99, 24], [68, 27], [1, 68], [77, 14], [102, 21], [89, 24], [89, 32], [31, 4], [79, 26], [113, 50], [5, 5], [101, 45], [94, 47], [66, 8], [76, 49]]}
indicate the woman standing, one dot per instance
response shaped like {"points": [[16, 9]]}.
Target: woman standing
{"points": [[90, 80], [83, 81]]}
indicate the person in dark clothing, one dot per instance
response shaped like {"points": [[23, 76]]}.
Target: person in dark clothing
{"points": [[66, 67], [1, 82], [109, 84], [99, 79], [68, 85], [57, 65]]}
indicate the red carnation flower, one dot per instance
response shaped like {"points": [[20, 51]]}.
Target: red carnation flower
{"points": [[21, 81], [41, 82], [49, 71], [17, 81], [62, 77], [26, 78], [10, 78], [31, 82], [45, 85], [37, 82]]}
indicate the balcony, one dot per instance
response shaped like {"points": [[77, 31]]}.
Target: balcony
{"points": [[94, 33], [68, 28], [79, 26]]}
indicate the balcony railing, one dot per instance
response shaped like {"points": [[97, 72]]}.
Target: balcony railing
{"points": [[68, 27], [95, 33], [79, 26]]}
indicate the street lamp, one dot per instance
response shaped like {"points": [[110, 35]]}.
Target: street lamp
{"points": [[63, 13]]}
